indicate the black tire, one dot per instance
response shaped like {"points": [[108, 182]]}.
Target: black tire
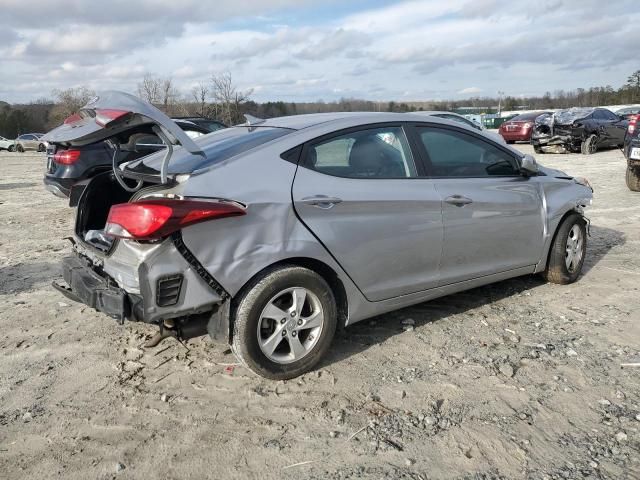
{"points": [[247, 311], [511, 142], [19, 148], [589, 146], [41, 147], [557, 270], [10, 149], [537, 149], [633, 178]]}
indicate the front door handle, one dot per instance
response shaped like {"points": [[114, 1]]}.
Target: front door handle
{"points": [[458, 200], [321, 201]]}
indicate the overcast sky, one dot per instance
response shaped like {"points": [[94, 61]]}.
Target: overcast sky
{"points": [[297, 50]]}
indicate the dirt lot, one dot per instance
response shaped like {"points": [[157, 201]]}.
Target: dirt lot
{"points": [[520, 379]]}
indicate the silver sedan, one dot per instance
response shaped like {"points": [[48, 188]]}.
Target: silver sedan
{"points": [[276, 232]]}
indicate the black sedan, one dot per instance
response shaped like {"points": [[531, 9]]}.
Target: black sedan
{"points": [[68, 166], [578, 130]]}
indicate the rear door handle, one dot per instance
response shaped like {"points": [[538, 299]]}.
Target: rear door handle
{"points": [[321, 201], [458, 200]]}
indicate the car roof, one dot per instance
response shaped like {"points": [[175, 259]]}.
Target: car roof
{"points": [[299, 122]]}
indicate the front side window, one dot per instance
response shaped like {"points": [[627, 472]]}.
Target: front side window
{"points": [[456, 154], [372, 153]]}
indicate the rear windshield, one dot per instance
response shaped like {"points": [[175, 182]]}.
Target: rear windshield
{"points": [[217, 147], [527, 117]]}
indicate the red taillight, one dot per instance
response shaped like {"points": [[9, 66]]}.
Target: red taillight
{"points": [[105, 116], [66, 157], [155, 219], [633, 123]]}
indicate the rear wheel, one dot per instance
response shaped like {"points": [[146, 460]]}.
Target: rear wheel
{"points": [[41, 147], [590, 145], [568, 250], [633, 178], [537, 149], [11, 147], [19, 148], [284, 323], [511, 142]]}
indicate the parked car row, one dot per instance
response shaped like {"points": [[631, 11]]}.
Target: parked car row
{"points": [[27, 141], [275, 233], [631, 151], [576, 130]]}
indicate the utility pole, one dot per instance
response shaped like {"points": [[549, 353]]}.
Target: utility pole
{"points": [[500, 94]]}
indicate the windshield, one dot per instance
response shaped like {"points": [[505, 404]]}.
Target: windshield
{"points": [[217, 147]]}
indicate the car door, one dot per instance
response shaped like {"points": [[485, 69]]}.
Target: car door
{"points": [[614, 126], [361, 195], [492, 215]]}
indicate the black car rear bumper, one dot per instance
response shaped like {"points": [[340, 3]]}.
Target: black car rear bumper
{"points": [[85, 285], [60, 187]]}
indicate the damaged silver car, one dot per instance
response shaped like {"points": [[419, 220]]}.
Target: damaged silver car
{"points": [[277, 232], [578, 130]]}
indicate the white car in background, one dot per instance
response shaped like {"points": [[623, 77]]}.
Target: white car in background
{"points": [[6, 144], [465, 121]]}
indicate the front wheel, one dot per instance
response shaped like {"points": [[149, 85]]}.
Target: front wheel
{"points": [[537, 149], [11, 147], [590, 145], [41, 147], [568, 251], [19, 148], [284, 323], [633, 178]]}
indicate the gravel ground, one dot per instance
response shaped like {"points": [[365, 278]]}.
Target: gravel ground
{"points": [[520, 379]]}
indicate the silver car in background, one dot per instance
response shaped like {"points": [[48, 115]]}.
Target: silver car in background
{"points": [[279, 231]]}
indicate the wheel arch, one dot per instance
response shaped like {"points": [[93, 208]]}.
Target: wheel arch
{"points": [[325, 271], [544, 263]]}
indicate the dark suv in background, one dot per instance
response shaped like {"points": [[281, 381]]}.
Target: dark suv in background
{"points": [[632, 153], [68, 166]]}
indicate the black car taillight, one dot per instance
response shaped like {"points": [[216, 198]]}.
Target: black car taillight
{"points": [[67, 157], [633, 123]]}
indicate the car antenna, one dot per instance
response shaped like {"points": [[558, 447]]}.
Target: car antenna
{"points": [[251, 121]]}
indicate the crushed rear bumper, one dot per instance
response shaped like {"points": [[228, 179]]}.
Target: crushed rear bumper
{"points": [[85, 285]]}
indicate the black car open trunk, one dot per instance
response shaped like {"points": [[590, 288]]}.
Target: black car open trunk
{"points": [[95, 201]]}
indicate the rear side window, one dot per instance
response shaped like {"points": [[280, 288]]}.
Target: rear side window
{"points": [[462, 120], [456, 154], [222, 145], [371, 153]]}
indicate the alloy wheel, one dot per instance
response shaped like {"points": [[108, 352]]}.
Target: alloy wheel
{"points": [[290, 325], [574, 252]]}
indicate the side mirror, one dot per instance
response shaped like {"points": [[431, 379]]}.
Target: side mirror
{"points": [[528, 165]]}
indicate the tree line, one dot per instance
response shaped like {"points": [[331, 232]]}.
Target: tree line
{"points": [[220, 98]]}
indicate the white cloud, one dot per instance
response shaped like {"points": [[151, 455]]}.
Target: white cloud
{"points": [[294, 50], [470, 91]]}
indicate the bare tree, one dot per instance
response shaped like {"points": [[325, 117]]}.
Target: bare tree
{"points": [[149, 88], [169, 93], [200, 93], [229, 98], [68, 102]]}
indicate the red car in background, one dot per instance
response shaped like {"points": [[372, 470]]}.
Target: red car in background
{"points": [[519, 128]]}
